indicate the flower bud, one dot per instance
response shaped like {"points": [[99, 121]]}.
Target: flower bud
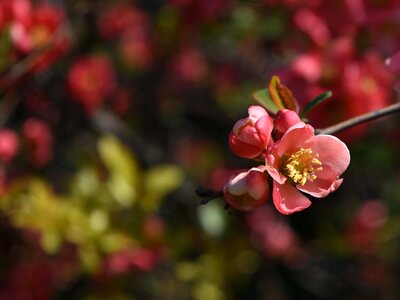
{"points": [[284, 119], [250, 136], [247, 190]]}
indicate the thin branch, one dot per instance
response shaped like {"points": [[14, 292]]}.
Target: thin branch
{"points": [[361, 119]]}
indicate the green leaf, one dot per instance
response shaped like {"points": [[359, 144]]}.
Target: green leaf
{"points": [[263, 98], [317, 100]]}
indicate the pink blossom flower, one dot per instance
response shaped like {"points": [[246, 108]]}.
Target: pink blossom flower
{"points": [[250, 136], [247, 190], [301, 161]]}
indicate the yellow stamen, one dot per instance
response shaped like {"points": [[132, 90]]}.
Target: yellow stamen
{"points": [[301, 166]]}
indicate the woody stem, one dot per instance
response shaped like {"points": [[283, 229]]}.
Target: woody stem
{"points": [[361, 119]]}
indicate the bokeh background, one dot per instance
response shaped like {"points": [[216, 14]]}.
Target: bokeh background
{"points": [[114, 112]]}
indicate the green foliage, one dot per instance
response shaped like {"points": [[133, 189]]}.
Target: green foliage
{"points": [[87, 215]]}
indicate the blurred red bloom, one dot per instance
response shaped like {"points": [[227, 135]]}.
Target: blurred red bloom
{"points": [[120, 18], [39, 140], [9, 145], [271, 233], [138, 259], [363, 230], [189, 66], [136, 49], [359, 85], [37, 29], [201, 11], [91, 79]]}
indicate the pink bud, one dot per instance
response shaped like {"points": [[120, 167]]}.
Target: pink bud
{"points": [[247, 190], [284, 119], [250, 136], [9, 145]]}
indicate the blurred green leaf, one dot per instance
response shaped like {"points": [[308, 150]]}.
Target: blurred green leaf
{"points": [[263, 98], [212, 219], [125, 174], [159, 181]]}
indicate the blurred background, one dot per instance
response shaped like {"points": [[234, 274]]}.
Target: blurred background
{"points": [[112, 113]]}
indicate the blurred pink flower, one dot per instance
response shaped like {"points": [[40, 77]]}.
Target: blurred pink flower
{"points": [[91, 79], [137, 259], [9, 145], [363, 229], [271, 233], [39, 140], [189, 67], [250, 136], [119, 18], [301, 161], [247, 190], [314, 25], [393, 65], [136, 49], [37, 28], [359, 84]]}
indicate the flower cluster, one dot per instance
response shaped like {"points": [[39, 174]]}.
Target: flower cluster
{"points": [[296, 161]]}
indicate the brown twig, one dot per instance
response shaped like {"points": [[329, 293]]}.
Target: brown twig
{"points": [[361, 119]]}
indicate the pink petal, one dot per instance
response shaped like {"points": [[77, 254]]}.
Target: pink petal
{"points": [[256, 112], [248, 134], [237, 128], [320, 188], [272, 166], [288, 200], [257, 185], [243, 149], [298, 136], [333, 154], [264, 128]]}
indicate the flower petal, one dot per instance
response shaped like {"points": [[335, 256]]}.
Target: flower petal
{"points": [[243, 149], [288, 200], [264, 127], [272, 165], [298, 136], [333, 154], [256, 112], [320, 188]]}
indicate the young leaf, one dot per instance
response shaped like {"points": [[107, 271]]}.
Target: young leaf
{"points": [[317, 100], [281, 95], [263, 98]]}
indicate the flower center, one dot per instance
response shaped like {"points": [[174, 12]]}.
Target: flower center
{"points": [[301, 166]]}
